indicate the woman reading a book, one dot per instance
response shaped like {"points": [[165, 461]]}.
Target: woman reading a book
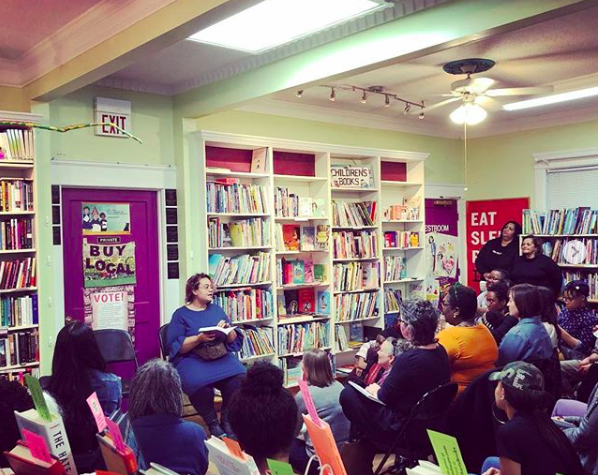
{"points": [[155, 410], [202, 345]]}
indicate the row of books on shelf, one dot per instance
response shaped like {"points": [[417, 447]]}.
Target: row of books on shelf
{"points": [[240, 233], [16, 195], [590, 277], [582, 220], [348, 214], [296, 338], [408, 211], [356, 276], [395, 268], [290, 237], [351, 307], [17, 144], [246, 304], [561, 253], [18, 348], [393, 299], [401, 239], [242, 269], [308, 301], [258, 341], [18, 311], [299, 271], [16, 233], [17, 374], [227, 195], [290, 205], [292, 370], [18, 273], [355, 339], [355, 245]]}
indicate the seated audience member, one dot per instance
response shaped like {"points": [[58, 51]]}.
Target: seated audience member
{"points": [[379, 368], [492, 277], [497, 318], [577, 319], [549, 315], [470, 346], [13, 397], [529, 443], [325, 392], [78, 370], [528, 340], [155, 410], [264, 416], [413, 374], [579, 422], [366, 357], [575, 370]]}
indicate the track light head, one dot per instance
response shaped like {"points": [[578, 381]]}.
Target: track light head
{"points": [[364, 97], [407, 109], [299, 93], [332, 95], [422, 115], [387, 101]]}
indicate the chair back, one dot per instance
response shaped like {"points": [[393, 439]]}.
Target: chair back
{"points": [[162, 336], [116, 346]]}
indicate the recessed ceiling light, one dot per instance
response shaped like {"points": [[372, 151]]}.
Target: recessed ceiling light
{"points": [[553, 99], [274, 22]]}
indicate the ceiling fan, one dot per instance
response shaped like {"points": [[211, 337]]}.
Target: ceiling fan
{"points": [[477, 93]]}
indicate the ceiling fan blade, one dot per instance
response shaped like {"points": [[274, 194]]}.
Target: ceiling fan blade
{"points": [[520, 91], [435, 106], [488, 103]]}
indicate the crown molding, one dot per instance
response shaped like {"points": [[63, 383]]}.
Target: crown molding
{"points": [[20, 116], [135, 86], [345, 117]]}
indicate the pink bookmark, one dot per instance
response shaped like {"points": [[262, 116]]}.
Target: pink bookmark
{"points": [[309, 402], [98, 413], [37, 446]]}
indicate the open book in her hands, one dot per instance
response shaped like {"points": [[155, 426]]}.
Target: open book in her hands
{"points": [[363, 391], [226, 330]]}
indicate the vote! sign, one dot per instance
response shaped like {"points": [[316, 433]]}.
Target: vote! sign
{"points": [[108, 265], [485, 218]]}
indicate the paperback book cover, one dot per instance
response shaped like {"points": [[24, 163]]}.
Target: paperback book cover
{"points": [[298, 272], [290, 234], [355, 332], [318, 208], [282, 305], [319, 273], [307, 238], [291, 298], [323, 302], [309, 271], [305, 207], [307, 301], [322, 237]]}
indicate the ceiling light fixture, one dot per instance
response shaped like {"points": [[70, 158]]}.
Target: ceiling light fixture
{"points": [[422, 116], [364, 97], [387, 101], [272, 23], [374, 90], [299, 93], [407, 109], [553, 99], [332, 95], [468, 113]]}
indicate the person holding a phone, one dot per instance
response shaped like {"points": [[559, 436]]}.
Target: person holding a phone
{"points": [[202, 347]]}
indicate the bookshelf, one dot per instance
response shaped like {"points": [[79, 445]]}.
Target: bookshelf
{"points": [[19, 328], [321, 239]]}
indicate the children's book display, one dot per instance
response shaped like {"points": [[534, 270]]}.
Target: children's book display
{"points": [[243, 269], [354, 215], [241, 233], [355, 245], [258, 341], [246, 304]]}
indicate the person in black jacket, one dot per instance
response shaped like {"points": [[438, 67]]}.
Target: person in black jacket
{"points": [[532, 267], [499, 253]]}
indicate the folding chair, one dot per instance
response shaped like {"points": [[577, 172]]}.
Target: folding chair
{"points": [[116, 346]]}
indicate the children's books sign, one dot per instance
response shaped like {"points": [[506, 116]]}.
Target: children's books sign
{"points": [[109, 264], [351, 176], [106, 218]]}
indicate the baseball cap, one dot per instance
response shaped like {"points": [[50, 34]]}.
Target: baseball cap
{"points": [[521, 376]]}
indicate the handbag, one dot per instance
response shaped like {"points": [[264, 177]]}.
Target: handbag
{"points": [[211, 350]]}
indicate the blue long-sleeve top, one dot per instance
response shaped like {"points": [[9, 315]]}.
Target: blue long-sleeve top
{"points": [[196, 372]]}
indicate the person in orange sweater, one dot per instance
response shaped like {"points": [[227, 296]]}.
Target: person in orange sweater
{"points": [[470, 346]]}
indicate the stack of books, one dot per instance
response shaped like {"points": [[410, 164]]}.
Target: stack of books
{"points": [[408, 211], [350, 307], [401, 239], [246, 304], [242, 233], [16, 195], [581, 220], [19, 348], [354, 215], [356, 276], [229, 196], [18, 274], [355, 245], [296, 338], [395, 268], [16, 233], [258, 341], [244, 269]]}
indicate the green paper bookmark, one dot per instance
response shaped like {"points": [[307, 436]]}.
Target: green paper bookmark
{"points": [[37, 395]]}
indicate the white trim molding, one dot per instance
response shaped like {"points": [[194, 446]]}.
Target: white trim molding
{"points": [[547, 161]]}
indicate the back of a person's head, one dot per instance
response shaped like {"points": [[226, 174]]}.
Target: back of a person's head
{"points": [[465, 299], [13, 397], [317, 366], [527, 299], [156, 389], [421, 319], [263, 414], [548, 300]]}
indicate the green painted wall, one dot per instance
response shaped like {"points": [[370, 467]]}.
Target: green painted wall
{"points": [[444, 164], [502, 166], [152, 122]]}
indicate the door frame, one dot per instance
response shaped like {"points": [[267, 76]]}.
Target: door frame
{"points": [[75, 174], [451, 191]]}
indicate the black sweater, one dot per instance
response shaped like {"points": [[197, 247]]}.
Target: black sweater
{"points": [[541, 270], [494, 256]]}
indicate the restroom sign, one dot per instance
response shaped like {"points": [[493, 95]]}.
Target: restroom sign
{"points": [[114, 111]]}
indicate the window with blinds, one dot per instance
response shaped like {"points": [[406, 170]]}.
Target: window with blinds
{"points": [[572, 187]]}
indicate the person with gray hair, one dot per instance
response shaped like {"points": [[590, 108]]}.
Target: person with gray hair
{"points": [[414, 373], [155, 410]]}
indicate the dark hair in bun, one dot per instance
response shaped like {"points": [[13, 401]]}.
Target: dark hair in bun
{"points": [[263, 413]]}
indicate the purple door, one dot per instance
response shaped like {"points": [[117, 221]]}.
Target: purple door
{"points": [[144, 232]]}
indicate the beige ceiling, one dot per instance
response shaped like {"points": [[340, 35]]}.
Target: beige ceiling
{"points": [[562, 52]]}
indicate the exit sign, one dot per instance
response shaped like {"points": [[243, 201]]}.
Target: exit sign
{"points": [[114, 111]]}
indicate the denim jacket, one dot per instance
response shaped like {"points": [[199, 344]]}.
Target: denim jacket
{"points": [[528, 340], [108, 388]]}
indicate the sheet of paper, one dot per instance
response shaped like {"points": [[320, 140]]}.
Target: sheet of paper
{"points": [[448, 454], [37, 446], [365, 393], [38, 397], [309, 401], [279, 468], [98, 413], [234, 448]]}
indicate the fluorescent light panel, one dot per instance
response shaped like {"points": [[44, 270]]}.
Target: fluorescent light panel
{"points": [[553, 99], [275, 22]]}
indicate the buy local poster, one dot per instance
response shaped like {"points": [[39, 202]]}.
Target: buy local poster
{"points": [[485, 219], [108, 264]]}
